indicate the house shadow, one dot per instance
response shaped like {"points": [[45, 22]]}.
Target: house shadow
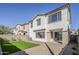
{"points": [[72, 47], [10, 49], [19, 53]]}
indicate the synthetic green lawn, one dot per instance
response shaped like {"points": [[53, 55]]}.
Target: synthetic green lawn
{"points": [[15, 46]]}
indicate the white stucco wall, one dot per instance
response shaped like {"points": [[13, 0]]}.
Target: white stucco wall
{"points": [[35, 27], [64, 24], [42, 26]]}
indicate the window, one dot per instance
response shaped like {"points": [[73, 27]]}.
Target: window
{"points": [[24, 33], [40, 34], [55, 17], [58, 36], [38, 22], [59, 16]]}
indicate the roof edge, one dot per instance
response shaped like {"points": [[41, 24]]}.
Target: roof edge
{"points": [[67, 5]]}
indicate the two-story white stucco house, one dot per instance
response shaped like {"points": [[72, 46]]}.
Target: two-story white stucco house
{"points": [[52, 26]]}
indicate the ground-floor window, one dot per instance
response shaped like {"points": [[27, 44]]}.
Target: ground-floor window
{"points": [[40, 34], [58, 36], [24, 33]]}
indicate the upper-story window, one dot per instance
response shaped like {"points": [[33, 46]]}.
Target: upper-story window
{"points": [[31, 24], [55, 17], [38, 21]]}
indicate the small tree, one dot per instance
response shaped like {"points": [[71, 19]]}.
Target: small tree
{"points": [[5, 29]]}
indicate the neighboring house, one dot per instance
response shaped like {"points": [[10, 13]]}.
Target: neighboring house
{"points": [[51, 27], [21, 29], [73, 32]]}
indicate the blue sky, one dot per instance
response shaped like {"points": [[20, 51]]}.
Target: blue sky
{"points": [[12, 14]]}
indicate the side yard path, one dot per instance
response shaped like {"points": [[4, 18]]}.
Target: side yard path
{"points": [[71, 50], [56, 48]]}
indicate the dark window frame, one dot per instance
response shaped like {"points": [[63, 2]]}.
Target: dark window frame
{"points": [[39, 33], [58, 36], [55, 17], [38, 21]]}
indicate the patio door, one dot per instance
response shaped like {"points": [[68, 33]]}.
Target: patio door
{"points": [[58, 36]]}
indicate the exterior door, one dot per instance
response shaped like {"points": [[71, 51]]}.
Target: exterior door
{"points": [[58, 36]]}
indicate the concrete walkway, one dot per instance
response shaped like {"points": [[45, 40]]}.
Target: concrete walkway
{"points": [[40, 50], [56, 48]]}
